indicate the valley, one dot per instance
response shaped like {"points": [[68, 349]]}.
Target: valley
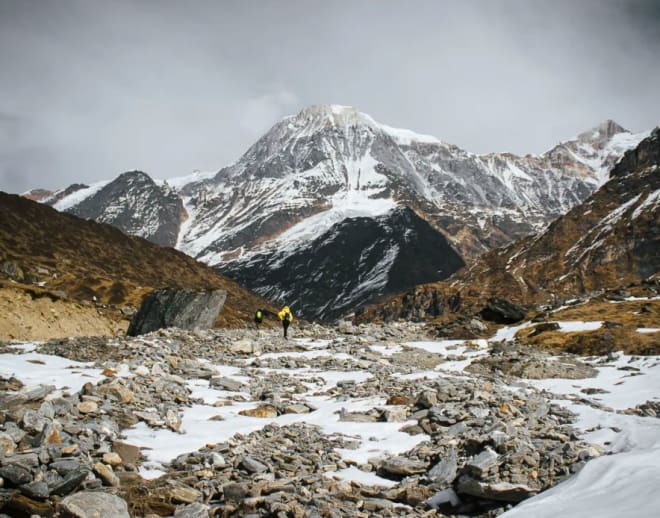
{"points": [[368, 420]]}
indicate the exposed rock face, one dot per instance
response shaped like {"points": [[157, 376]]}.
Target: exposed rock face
{"points": [[186, 309], [355, 261], [502, 311], [134, 203]]}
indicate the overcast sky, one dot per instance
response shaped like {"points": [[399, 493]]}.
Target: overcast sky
{"points": [[92, 88]]}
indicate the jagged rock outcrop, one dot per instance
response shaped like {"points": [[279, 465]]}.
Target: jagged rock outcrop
{"points": [[186, 309]]}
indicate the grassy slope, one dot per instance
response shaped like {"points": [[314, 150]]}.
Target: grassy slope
{"points": [[86, 259]]}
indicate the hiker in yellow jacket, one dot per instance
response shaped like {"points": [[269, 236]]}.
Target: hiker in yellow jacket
{"points": [[286, 317]]}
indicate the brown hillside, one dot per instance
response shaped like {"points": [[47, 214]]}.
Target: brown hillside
{"points": [[610, 241], [48, 253]]}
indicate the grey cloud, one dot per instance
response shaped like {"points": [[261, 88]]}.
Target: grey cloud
{"points": [[170, 87]]}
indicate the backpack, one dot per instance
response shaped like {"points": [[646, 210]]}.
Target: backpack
{"points": [[259, 315]]}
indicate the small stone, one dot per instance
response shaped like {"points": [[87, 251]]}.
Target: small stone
{"points": [[129, 453], [217, 460], [106, 474], [63, 467], [483, 462], [502, 491], [195, 510], [396, 414], [33, 421], [141, 370], [402, 466], [112, 458], [16, 474], [252, 465], [296, 409], [70, 483], [426, 399], [235, 491], [87, 407], [262, 411], [444, 472], [184, 494], [173, 420], [242, 347], [36, 490], [7, 444], [224, 383], [72, 449]]}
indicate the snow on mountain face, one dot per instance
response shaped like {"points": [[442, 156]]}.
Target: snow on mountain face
{"points": [[350, 264], [312, 171], [134, 203], [332, 159]]}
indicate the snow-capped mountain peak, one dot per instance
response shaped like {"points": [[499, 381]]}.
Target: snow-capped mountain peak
{"points": [[314, 170]]}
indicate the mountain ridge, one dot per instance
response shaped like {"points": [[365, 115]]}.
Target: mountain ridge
{"points": [[610, 241], [314, 170]]}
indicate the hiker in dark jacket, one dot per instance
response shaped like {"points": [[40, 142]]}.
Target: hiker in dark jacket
{"points": [[258, 317], [286, 317]]}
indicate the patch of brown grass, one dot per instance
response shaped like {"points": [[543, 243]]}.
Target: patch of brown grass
{"points": [[618, 333], [599, 342]]}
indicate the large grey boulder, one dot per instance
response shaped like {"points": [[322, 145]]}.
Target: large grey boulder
{"points": [[186, 309]]}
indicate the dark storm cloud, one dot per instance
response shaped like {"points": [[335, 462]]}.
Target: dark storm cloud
{"points": [[92, 88]]}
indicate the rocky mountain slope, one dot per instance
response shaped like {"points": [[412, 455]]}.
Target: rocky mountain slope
{"points": [[311, 172], [46, 253], [132, 202], [342, 269], [609, 241]]}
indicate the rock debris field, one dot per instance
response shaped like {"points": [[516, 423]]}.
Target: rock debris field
{"points": [[375, 420]]}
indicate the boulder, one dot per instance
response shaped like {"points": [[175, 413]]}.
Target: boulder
{"points": [[401, 467], [185, 309], [444, 472], [501, 491], [88, 504], [224, 383], [16, 474], [195, 510], [129, 453], [502, 311]]}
